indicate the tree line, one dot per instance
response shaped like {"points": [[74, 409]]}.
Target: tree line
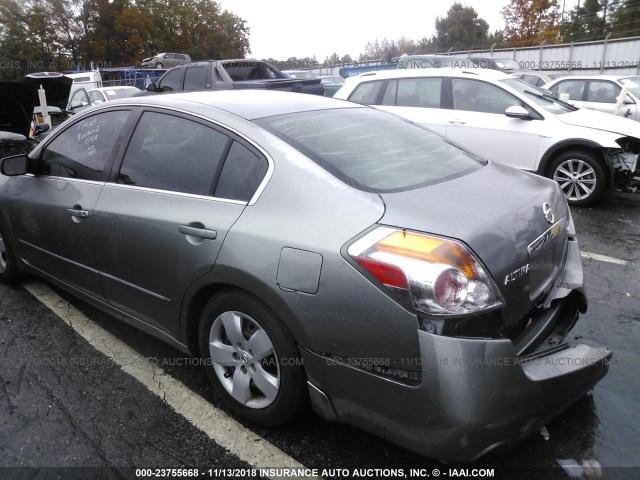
{"points": [[60, 35], [527, 23], [37, 35]]}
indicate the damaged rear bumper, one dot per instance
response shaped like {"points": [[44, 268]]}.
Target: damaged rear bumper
{"points": [[464, 397], [474, 395]]}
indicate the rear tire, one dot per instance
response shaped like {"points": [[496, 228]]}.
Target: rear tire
{"points": [[9, 272], [580, 176], [251, 359]]}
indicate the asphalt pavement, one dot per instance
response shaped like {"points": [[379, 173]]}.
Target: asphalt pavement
{"points": [[83, 395]]}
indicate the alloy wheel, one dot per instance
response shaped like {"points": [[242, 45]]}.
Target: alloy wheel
{"points": [[577, 179]]}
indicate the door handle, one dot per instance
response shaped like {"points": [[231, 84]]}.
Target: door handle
{"points": [[457, 122], [78, 213], [198, 232]]}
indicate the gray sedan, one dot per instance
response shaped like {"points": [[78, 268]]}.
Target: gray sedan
{"points": [[315, 252]]}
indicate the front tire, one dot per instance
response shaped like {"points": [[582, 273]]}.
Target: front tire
{"points": [[159, 65], [580, 176], [9, 272], [251, 359]]}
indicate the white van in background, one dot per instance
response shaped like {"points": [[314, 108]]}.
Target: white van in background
{"points": [[86, 80]]}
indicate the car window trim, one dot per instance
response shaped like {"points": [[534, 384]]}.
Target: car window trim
{"points": [[175, 193], [232, 133]]}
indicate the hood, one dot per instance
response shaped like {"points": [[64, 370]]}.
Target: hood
{"points": [[56, 85], [498, 212], [16, 107], [601, 121]]}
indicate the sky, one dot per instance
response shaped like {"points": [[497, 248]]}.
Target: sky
{"points": [[302, 28]]}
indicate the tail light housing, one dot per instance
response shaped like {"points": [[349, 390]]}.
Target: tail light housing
{"points": [[437, 275]]}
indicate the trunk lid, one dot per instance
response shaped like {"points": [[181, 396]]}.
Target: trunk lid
{"points": [[498, 212]]}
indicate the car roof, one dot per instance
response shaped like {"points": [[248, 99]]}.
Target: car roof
{"points": [[247, 104], [491, 58], [481, 73], [117, 87]]}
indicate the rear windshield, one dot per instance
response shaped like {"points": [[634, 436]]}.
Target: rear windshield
{"points": [[372, 150]]}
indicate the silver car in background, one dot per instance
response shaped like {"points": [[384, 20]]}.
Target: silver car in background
{"points": [[315, 251], [166, 60]]}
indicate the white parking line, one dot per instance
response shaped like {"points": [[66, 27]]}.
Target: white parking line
{"points": [[603, 258], [225, 431]]}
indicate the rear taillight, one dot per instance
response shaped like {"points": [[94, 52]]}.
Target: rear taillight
{"points": [[441, 276]]}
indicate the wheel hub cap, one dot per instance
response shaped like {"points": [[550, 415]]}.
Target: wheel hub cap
{"points": [[244, 359]]}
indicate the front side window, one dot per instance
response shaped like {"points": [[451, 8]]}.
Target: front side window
{"points": [[96, 96], [476, 96], [172, 80], [172, 153], [603, 92], [86, 149], [79, 99]]}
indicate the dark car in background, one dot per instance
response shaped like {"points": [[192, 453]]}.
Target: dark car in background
{"points": [[232, 75], [332, 84], [315, 251]]}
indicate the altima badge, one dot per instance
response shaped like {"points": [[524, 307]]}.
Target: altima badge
{"points": [[515, 275], [548, 214]]}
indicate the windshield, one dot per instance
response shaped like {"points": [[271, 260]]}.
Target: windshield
{"points": [[540, 97], [507, 64], [115, 93], [633, 83], [372, 150], [300, 75]]}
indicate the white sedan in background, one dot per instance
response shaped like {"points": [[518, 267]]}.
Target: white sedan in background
{"points": [[601, 93], [504, 119], [82, 98]]}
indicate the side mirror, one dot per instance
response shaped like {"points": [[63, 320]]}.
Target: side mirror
{"points": [[516, 111], [14, 165], [151, 87]]}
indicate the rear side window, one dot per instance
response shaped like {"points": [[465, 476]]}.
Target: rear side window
{"points": [[172, 80], [372, 150], [413, 92], [366, 93], [241, 174], [476, 96], [172, 153], [86, 149]]}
